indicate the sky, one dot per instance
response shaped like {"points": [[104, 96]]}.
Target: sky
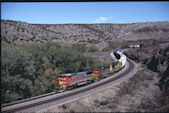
{"points": [[85, 12]]}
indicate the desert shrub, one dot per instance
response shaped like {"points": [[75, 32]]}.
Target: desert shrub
{"points": [[64, 106], [96, 103], [112, 106], [79, 47], [93, 41], [72, 111], [147, 105], [113, 45], [92, 49], [145, 85], [82, 48], [103, 103], [107, 49], [144, 30], [149, 77], [126, 89], [5, 39]]}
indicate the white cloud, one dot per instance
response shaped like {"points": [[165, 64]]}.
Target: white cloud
{"points": [[102, 19]]}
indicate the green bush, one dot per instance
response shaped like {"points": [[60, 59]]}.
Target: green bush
{"points": [[79, 47], [82, 48], [113, 46], [92, 49], [30, 70], [12, 97]]}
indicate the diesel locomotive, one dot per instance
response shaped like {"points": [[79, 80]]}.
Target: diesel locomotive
{"points": [[72, 80]]}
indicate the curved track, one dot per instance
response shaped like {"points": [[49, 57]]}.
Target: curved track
{"points": [[44, 101]]}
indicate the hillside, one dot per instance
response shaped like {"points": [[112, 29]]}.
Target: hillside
{"points": [[30, 63], [16, 32]]}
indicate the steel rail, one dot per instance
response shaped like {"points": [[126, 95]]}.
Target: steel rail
{"points": [[130, 67]]}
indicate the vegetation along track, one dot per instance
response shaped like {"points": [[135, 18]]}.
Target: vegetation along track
{"points": [[47, 98]]}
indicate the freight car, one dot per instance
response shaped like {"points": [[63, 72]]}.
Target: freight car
{"points": [[72, 80]]}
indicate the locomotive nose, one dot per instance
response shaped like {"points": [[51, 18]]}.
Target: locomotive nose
{"points": [[59, 82], [60, 85]]}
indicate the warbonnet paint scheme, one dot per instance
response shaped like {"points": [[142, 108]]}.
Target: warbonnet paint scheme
{"points": [[72, 80]]}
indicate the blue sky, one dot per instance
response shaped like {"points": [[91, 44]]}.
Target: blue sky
{"points": [[85, 12]]}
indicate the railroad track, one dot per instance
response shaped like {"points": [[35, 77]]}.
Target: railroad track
{"points": [[53, 97]]}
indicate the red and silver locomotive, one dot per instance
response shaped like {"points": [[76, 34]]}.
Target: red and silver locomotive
{"points": [[71, 80]]}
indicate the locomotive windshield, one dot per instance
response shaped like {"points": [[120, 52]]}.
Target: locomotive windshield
{"points": [[59, 77], [64, 76]]}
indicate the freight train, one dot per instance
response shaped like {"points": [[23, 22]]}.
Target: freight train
{"points": [[72, 80]]}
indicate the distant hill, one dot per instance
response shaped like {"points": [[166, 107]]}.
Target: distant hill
{"points": [[15, 32]]}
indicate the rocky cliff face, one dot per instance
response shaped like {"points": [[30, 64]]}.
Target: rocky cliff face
{"points": [[14, 32], [156, 58]]}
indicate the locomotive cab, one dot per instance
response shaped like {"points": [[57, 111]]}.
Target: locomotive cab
{"points": [[97, 72], [63, 82]]}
